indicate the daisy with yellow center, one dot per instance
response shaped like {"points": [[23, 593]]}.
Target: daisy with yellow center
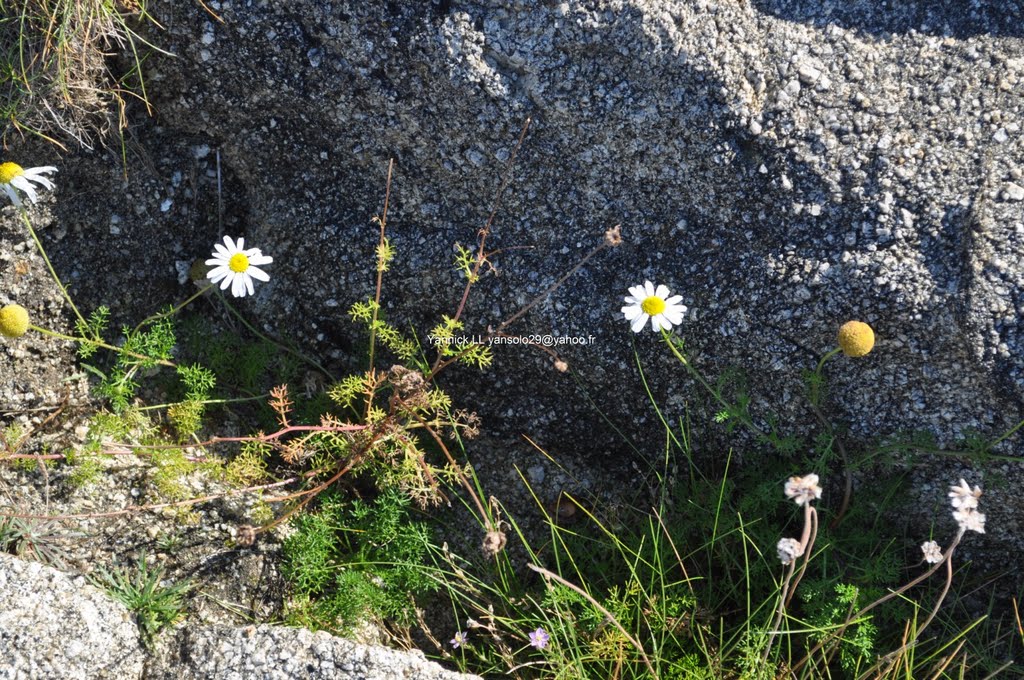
{"points": [[235, 266], [14, 178], [650, 302]]}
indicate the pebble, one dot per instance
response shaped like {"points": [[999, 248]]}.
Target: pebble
{"points": [[1013, 192]]}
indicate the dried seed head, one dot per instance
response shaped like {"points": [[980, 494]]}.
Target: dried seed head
{"points": [[494, 543], [613, 237], [245, 536]]}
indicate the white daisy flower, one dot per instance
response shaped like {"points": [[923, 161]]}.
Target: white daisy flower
{"points": [[14, 178], [789, 549], [803, 489], [963, 497], [235, 266], [647, 302], [932, 552]]}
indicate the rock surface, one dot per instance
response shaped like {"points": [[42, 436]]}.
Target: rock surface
{"points": [[55, 626], [784, 167], [276, 653]]}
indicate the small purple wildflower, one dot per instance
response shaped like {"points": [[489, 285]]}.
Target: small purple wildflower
{"points": [[459, 640], [539, 638]]}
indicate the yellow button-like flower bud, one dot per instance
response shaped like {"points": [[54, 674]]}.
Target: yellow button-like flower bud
{"points": [[856, 338], [13, 321]]}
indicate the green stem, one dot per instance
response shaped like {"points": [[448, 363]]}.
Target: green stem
{"points": [[745, 419], [828, 355], [100, 343], [262, 336], [175, 309], [49, 265]]}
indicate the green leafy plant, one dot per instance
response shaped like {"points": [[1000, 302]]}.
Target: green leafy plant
{"points": [[353, 561], [40, 539], [142, 591]]}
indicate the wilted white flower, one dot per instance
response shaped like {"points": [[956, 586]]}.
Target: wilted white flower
{"points": [[803, 489], [970, 519], [647, 302], [789, 549], [13, 176], [932, 552], [234, 266], [963, 497]]}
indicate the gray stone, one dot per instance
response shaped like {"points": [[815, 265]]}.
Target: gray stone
{"points": [[278, 653], [55, 626]]}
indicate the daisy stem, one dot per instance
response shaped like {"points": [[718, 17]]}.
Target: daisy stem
{"points": [[100, 343], [174, 310], [262, 336], [743, 418], [49, 265]]}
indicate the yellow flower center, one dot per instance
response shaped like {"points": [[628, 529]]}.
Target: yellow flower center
{"points": [[238, 263], [9, 171], [856, 338], [653, 305], [13, 321]]}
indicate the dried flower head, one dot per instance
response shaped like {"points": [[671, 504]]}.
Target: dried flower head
{"points": [[245, 536], [856, 338], [494, 543], [803, 489], [962, 496], [789, 549], [13, 321], [932, 552], [410, 385], [561, 366], [613, 237], [14, 178], [969, 519]]}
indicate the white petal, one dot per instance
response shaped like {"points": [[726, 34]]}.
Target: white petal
{"points": [[248, 285], [259, 259], [229, 244], [674, 300], [632, 312], [648, 289], [655, 323], [240, 244], [228, 281], [257, 273], [638, 293], [639, 323], [12, 194], [21, 183], [662, 292], [221, 251], [238, 286], [43, 181], [672, 317], [218, 273]]}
